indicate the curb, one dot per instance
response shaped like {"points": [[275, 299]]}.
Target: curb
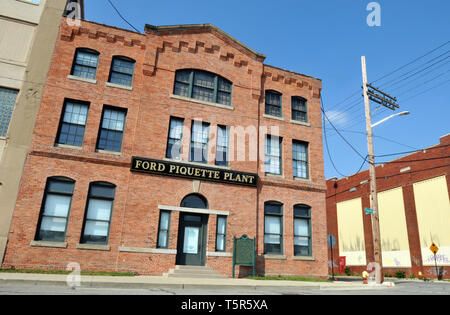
{"points": [[186, 285]]}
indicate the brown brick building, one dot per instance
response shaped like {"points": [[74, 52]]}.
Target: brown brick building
{"points": [[414, 210], [156, 149]]}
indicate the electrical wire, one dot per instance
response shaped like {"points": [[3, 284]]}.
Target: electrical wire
{"points": [[121, 16]]}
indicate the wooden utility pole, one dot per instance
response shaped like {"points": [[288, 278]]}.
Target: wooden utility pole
{"points": [[373, 181]]}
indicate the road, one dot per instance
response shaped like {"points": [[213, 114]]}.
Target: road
{"points": [[401, 288]]}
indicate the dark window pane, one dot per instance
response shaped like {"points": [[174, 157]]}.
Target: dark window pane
{"points": [[273, 103], [122, 71], [85, 65], [273, 208], [60, 186], [103, 191], [7, 102], [111, 132]]}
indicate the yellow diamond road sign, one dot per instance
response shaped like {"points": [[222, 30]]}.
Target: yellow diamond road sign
{"points": [[434, 248]]}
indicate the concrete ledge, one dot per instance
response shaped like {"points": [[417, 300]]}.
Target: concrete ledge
{"points": [[48, 244], [118, 86], [73, 77], [305, 258], [219, 254], [275, 257], [300, 123], [273, 117], [94, 247], [148, 250], [193, 100]]}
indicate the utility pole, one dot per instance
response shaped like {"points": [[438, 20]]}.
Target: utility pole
{"points": [[373, 94]]}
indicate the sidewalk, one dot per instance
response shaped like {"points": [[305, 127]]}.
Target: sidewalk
{"points": [[147, 282]]}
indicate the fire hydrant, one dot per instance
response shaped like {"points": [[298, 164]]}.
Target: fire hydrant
{"points": [[365, 276]]}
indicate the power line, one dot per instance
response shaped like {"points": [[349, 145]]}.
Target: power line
{"points": [[346, 141], [417, 59], [121, 16], [418, 160]]}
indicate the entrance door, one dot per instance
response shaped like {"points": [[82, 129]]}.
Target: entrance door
{"points": [[192, 234]]}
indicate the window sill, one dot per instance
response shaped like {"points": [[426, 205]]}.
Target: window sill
{"points": [[118, 86], [198, 164], [73, 77], [67, 146], [108, 152], [148, 250], [94, 247], [273, 117], [188, 99], [48, 244], [305, 180], [274, 257], [297, 122], [274, 175], [304, 258], [219, 254]]}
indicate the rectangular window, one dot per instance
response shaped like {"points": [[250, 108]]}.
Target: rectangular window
{"points": [[98, 216], [273, 103], [111, 129], [122, 71], [85, 64], [73, 123], [174, 141], [222, 145], [273, 228], [7, 102], [221, 234], [300, 159], [302, 231], [55, 210], [273, 155], [199, 142], [163, 234], [299, 109]]}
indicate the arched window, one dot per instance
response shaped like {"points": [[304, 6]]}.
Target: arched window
{"points": [[302, 230], [85, 63], [55, 210], [122, 70], [194, 201], [273, 227], [299, 109], [203, 85], [273, 103], [98, 215]]}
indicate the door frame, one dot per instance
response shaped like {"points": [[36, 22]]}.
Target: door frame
{"points": [[203, 225]]}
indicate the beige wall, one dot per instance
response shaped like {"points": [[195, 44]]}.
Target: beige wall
{"points": [[37, 62], [394, 234], [351, 232], [22, 10], [433, 216]]}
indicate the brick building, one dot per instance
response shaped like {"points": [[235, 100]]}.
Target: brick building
{"points": [[156, 149], [414, 210]]}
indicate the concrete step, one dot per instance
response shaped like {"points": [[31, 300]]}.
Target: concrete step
{"points": [[194, 272]]}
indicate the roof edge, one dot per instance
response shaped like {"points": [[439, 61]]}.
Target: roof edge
{"points": [[211, 27]]}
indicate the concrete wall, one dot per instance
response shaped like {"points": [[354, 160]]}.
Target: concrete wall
{"points": [[23, 65]]}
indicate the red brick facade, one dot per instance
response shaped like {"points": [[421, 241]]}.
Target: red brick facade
{"points": [[402, 172], [150, 104]]}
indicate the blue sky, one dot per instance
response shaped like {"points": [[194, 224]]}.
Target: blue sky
{"points": [[326, 39]]}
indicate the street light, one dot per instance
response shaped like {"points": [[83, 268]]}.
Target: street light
{"points": [[392, 116]]}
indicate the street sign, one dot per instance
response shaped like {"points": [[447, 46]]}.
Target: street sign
{"points": [[368, 211], [434, 248]]}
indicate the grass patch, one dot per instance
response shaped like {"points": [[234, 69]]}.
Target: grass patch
{"points": [[65, 272], [292, 278]]}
